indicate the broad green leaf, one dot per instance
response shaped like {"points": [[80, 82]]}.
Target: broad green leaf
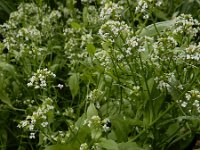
{"points": [[96, 134], [112, 135], [60, 147], [50, 115], [41, 139], [54, 67], [108, 144], [153, 29], [82, 134], [106, 45], [4, 98], [172, 129], [81, 120], [121, 128], [16, 88], [129, 146], [160, 14], [109, 108], [74, 84], [75, 25], [91, 49], [91, 111], [7, 67]]}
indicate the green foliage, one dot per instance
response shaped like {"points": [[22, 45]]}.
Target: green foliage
{"points": [[94, 74]]}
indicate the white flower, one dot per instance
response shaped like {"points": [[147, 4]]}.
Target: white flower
{"points": [[106, 124], [84, 146], [60, 86], [184, 104], [31, 127], [188, 96], [32, 136], [44, 124], [29, 84], [196, 103], [39, 79]]}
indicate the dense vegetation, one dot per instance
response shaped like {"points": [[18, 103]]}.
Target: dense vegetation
{"points": [[99, 74]]}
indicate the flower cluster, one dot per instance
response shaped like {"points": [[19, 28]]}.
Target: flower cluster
{"points": [[136, 44], [84, 146], [169, 82], [186, 26], [39, 79], [69, 112], [113, 29], [95, 122], [93, 15], [95, 96], [143, 7], [190, 55], [168, 48], [111, 11], [76, 38], [24, 35], [102, 56], [39, 118], [191, 102]]}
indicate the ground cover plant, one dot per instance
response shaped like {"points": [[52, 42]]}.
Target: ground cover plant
{"points": [[100, 75]]}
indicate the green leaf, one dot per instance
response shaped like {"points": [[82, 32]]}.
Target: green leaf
{"points": [[91, 111], [50, 115], [81, 121], [150, 84], [7, 67], [75, 25], [153, 29], [54, 67], [172, 129], [60, 147], [74, 84], [129, 146], [108, 144], [121, 128], [91, 49], [106, 45], [41, 139], [82, 134], [3, 138], [85, 15], [147, 85], [6, 6], [4, 98], [1, 46], [96, 134], [160, 14]]}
